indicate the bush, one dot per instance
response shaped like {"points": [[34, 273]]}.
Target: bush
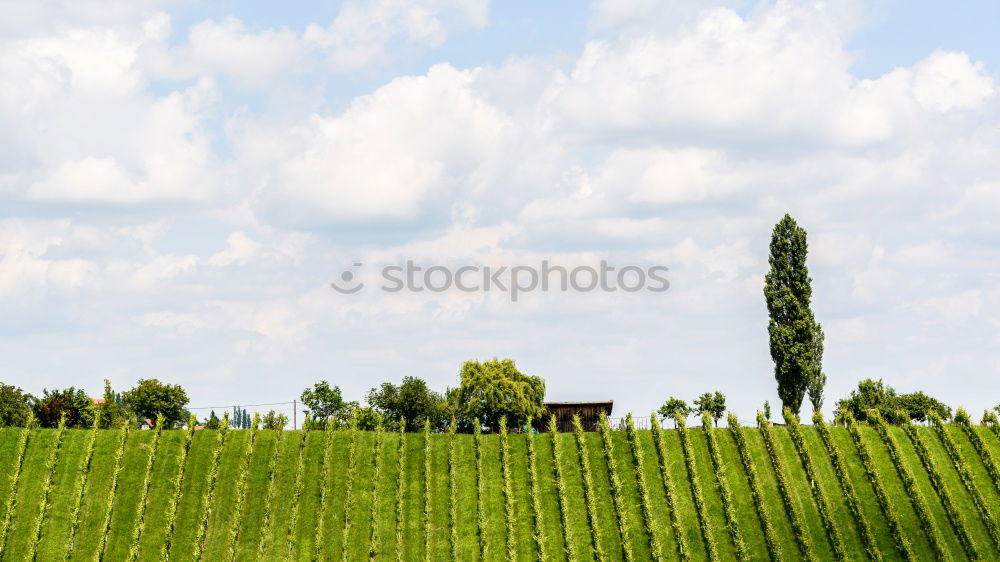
{"points": [[876, 397]]}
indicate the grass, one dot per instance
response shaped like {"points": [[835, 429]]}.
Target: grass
{"points": [[563, 540]]}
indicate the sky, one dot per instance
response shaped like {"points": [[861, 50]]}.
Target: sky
{"points": [[181, 182]]}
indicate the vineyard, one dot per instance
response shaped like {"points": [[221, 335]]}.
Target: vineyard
{"points": [[787, 492]]}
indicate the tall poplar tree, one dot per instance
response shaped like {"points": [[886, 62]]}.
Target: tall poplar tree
{"points": [[796, 339]]}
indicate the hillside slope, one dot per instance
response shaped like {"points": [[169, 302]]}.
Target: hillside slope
{"points": [[337, 491]]}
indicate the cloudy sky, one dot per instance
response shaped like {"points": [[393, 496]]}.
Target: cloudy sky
{"points": [[180, 183]]}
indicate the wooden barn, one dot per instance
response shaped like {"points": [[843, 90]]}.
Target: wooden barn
{"points": [[589, 413]]}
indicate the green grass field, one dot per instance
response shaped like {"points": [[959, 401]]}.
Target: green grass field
{"points": [[444, 516]]}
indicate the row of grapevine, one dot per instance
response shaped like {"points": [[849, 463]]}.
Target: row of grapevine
{"points": [[207, 500], [139, 519], [11, 503], [80, 487], [888, 509], [324, 470], [205, 509], [50, 468], [175, 496], [781, 475], [962, 420], [699, 498], [726, 493], [401, 487], [477, 432], [560, 480], [264, 543], [110, 501], [241, 491], [291, 531], [427, 491], [645, 502], [909, 483], [668, 488], [534, 489], [990, 421], [959, 463], [853, 503], [508, 492], [954, 517], [617, 497], [452, 491], [376, 476], [588, 491], [352, 452], [756, 493], [822, 503]]}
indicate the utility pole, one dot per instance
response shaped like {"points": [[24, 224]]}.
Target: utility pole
{"points": [[295, 416]]}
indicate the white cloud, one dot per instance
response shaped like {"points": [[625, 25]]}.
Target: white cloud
{"points": [[387, 153], [950, 81], [229, 48], [83, 127], [363, 31], [780, 73]]}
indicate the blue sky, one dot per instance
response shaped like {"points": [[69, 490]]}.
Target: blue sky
{"points": [[181, 181]]}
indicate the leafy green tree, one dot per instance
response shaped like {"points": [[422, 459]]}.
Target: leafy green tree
{"points": [[15, 406], [150, 398], [411, 401], [112, 410], [713, 404], [871, 396], [767, 410], [796, 339], [918, 406], [875, 396], [73, 402], [495, 389], [274, 420], [675, 407], [323, 402], [213, 421]]}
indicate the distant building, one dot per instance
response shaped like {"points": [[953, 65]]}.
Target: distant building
{"points": [[589, 412]]}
